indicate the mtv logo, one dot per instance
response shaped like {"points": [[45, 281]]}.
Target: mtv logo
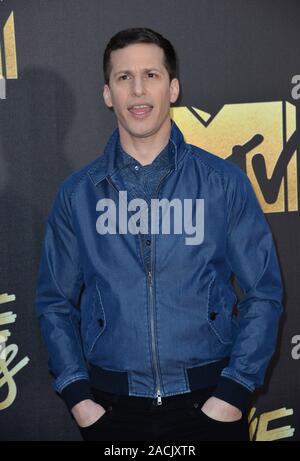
{"points": [[11, 71], [261, 138], [260, 426]]}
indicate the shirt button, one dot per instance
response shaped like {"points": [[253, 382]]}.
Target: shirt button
{"points": [[148, 242], [213, 315], [136, 167], [101, 323]]}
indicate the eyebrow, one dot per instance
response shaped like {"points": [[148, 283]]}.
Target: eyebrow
{"points": [[129, 72]]}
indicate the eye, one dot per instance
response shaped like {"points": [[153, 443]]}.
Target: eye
{"points": [[126, 75]]}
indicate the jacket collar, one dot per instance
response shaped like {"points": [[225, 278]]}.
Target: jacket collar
{"points": [[107, 164]]}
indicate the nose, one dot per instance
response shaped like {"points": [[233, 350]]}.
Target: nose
{"points": [[138, 87]]}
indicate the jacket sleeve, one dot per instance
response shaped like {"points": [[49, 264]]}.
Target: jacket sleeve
{"points": [[252, 257], [59, 284]]}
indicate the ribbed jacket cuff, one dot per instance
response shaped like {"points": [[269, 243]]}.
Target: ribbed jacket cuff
{"points": [[234, 393], [76, 392]]}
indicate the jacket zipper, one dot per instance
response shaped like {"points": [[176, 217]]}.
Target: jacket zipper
{"points": [[150, 283], [150, 278], [158, 393]]}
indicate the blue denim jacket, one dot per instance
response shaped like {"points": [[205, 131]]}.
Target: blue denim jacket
{"points": [[110, 323]]}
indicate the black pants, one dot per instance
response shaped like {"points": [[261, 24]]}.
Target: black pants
{"points": [[178, 418]]}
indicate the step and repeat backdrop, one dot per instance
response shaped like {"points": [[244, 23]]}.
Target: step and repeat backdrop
{"points": [[239, 70]]}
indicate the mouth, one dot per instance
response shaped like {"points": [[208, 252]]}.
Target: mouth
{"points": [[140, 111]]}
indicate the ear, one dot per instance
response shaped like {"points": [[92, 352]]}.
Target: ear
{"points": [[174, 90], [107, 96]]}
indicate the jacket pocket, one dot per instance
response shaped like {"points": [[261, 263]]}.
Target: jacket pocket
{"points": [[97, 321], [220, 315]]}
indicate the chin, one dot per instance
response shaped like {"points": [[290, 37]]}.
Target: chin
{"points": [[141, 130]]}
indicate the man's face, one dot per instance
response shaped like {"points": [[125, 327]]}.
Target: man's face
{"points": [[138, 77]]}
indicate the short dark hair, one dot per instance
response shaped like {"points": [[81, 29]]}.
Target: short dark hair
{"points": [[140, 35]]}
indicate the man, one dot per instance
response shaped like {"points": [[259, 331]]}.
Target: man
{"points": [[143, 338]]}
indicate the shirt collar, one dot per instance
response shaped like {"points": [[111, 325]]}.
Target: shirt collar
{"points": [[164, 158], [105, 164]]}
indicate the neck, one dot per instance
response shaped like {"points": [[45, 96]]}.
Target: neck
{"points": [[145, 149]]}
